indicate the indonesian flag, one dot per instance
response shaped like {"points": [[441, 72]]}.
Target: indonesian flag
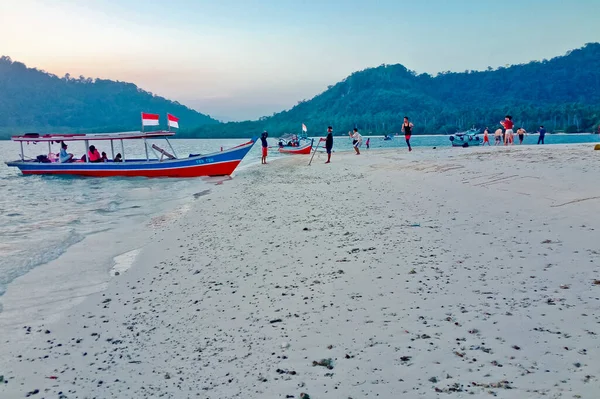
{"points": [[173, 121], [149, 119], [304, 129]]}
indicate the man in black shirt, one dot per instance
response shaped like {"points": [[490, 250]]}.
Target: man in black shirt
{"points": [[329, 143]]}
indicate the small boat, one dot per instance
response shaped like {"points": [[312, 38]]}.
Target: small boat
{"points": [[291, 144], [163, 164], [465, 139], [302, 149], [387, 137]]}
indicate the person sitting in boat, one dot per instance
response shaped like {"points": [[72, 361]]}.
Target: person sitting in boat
{"points": [[94, 155], [63, 156], [104, 157], [118, 158]]}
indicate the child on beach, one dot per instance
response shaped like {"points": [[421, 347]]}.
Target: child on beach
{"points": [[498, 136], [356, 140], [508, 125], [368, 142], [521, 132], [407, 129], [265, 147], [486, 136]]}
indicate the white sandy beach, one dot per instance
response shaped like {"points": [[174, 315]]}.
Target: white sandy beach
{"points": [[437, 273]]}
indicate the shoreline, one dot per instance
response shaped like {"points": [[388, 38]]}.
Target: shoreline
{"points": [[266, 265]]}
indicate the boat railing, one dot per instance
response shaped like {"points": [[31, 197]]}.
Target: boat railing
{"points": [[162, 152]]}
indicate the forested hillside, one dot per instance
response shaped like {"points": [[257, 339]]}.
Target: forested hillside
{"points": [[562, 93], [34, 101]]}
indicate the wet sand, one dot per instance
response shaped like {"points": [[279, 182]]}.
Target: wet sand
{"points": [[439, 273]]}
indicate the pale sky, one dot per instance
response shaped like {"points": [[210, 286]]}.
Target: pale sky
{"points": [[243, 59]]}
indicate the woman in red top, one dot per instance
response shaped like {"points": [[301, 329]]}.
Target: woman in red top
{"points": [[508, 125], [94, 155]]}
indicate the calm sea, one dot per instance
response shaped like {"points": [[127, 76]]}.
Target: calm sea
{"points": [[41, 217]]}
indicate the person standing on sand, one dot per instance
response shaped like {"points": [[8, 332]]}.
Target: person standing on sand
{"points": [[356, 140], [542, 133], [368, 142], [498, 136], [486, 136], [328, 143], [508, 125], [265, 147], [407, 129], [521, 132]]}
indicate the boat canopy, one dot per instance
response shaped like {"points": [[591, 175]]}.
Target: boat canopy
{"points": [[35, 137]]}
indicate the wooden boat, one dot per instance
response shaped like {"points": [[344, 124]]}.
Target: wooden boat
{"points": [[299, 150], [166, 164]]}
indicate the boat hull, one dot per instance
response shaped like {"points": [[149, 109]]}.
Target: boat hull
{"points": [[303, 150], [465, 144], [216, 164]]}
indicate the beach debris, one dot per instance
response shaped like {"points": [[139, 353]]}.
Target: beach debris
{"points": [[167, 376], [547, 242], [305, 229], [565, 286], [52, 377], [349, 356], [281, 371], [304, 396], [107, 300], [597, 147], [329, 346], [516, 347], [1, 378], [31, 393], [433, 380], [415, 225], [412, 271], [201, 193], [285, 345], [117, 274], [324, 363], [275, 321], [596, 281], [405, 358], [456, 387]]}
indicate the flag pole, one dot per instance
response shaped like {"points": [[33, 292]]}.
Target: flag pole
{"points": [[168, 124], [142, 116]]}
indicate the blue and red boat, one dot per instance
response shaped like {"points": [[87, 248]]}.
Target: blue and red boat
{"points": [[161, 164]]}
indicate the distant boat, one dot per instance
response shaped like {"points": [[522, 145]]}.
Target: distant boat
{"points": [[292, 144], [388, 137], [466, 139]]}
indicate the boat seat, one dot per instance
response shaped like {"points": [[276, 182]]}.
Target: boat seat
{"points": [[163, 152]]}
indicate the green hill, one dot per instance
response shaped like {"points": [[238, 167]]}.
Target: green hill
{"points": [[36, 101], [562, 93]]}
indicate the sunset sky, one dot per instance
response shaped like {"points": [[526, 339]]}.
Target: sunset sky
{"points": [[241, 59]]}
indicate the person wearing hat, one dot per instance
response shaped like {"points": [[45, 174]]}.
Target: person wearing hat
{"points": [[63, 155], [265, 147]]}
